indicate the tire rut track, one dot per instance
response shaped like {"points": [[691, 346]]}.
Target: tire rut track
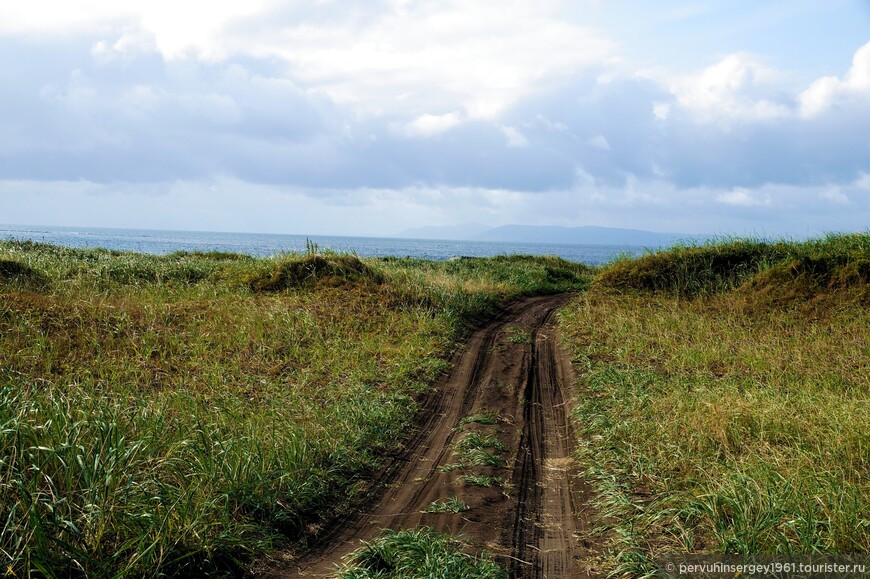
{"points": [[531, 525]]}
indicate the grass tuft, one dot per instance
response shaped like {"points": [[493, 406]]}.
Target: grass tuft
{"points": [[476, 439], [448, 505], [481, 480], [420, 554], [482, 418], [480, 457]]}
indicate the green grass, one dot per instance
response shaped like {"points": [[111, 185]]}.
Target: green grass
{"points": [[476, 456], [476, 439], [448, 505], [418, 554], [835, 262], [481, 480], [186, 414], [724, 402], [449, 467], [482, 418], [471, 450], [519, 336]]}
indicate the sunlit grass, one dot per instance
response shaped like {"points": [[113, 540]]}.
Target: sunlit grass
{"points": [[184, 414], [733, 422]]}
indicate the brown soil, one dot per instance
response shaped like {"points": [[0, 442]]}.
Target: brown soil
{"points": [[513, 368]]}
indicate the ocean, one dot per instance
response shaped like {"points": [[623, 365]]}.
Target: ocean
{"points": [[266, 244]]}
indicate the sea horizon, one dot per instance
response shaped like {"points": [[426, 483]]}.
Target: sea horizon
{"points": [[164, 241]]}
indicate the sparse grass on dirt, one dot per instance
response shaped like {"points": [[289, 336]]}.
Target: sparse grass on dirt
{"points": [[448, 505], [479, 457], [419, 554], [518, 336], [482, 418], [185, 414], [482, 480], [476, 439], [725, 393]]}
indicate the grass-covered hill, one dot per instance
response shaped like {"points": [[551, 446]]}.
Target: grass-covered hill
{"points": [[185, 414], [725, 397]]}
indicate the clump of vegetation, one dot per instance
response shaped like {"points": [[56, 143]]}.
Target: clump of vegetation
{"points": [[448, 505], [731, 422], [808, 279], [476, 439], [482, 480], [519, 335], [482, 418], [418, 554], [476, 456], [472, 450], [14, 272], [184, 414], [696, 270], [298, 271]]}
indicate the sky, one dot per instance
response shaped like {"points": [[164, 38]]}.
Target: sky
{"points": [[350, 117]]}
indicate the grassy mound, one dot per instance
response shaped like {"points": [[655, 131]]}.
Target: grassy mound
{"points": [[14, 272], [310, 269], [812, 278], [732, 422], [812, 267]]}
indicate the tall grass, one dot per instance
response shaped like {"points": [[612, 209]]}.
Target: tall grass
{"points": [[734, 421], [185, 414], [835, 261]]}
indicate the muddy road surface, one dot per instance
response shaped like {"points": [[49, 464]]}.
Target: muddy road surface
{"points": [[499, 418]]}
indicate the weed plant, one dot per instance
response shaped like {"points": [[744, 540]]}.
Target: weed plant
{"points": [[482, 480], [418, 554], [733, 421], [448, 505], [482, 418], [476, 439], [476, 456], [187, 413]]}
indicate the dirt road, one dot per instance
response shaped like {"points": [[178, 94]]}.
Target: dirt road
{"points": [[512, 373]]}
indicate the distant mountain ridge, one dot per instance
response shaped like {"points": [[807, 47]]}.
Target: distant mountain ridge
{"points": [[585, 235]]}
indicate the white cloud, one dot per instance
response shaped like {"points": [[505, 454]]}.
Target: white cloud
{"points": [[430, 125], [179, 28], [743, 198], [483, 56], [599, 142], [738, 87], [515, 139], [830, 90], [399, 58], [131, 43], [834, 195], [661, 111]]}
